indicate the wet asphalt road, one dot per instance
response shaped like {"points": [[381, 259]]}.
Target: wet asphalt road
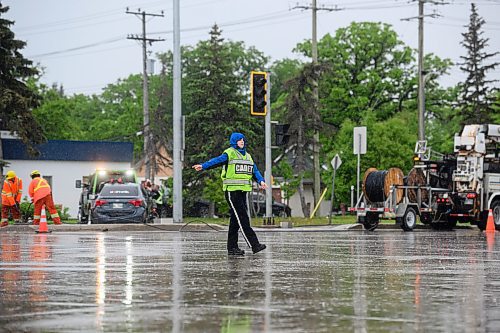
{"points": [[354, 281]]}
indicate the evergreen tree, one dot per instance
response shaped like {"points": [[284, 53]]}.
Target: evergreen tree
{"points": [[17, 99], [300, 113], [216, 104], [476, 92]]}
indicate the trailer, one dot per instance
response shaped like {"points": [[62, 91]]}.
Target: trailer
{"points": [[405, 212], [427, 199]]}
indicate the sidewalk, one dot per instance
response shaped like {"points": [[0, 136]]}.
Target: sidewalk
{"points": [[202, 227]]}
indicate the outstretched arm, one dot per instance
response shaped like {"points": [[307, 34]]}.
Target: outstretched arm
{"points": [[212, 163]]}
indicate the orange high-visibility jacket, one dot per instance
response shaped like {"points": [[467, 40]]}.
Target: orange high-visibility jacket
{"points": [[39, 188], [12, 191]]}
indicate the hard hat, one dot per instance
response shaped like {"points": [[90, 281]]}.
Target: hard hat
{"points": [[11, 174], [34, 172]]}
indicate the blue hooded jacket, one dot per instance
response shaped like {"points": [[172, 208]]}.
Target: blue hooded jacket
{"points": [[233, 141], [222, 159]]}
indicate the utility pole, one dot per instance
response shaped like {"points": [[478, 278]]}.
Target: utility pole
{"points": [[148, 137], [421, 71], [314, 54], [421, 83]]}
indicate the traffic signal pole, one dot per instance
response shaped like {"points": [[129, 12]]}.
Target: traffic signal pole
{"points": [[177, 118], [269, 191]]}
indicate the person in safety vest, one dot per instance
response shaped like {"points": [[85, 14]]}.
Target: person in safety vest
{"points": [[41, 195], [238, 170], [12, 191]]}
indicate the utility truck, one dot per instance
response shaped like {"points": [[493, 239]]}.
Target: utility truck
{"points": [[476, 179]]}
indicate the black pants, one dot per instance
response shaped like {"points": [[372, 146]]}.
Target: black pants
{"points": [[237, 201]]}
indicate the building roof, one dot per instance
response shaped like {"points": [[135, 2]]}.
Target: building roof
{"points": [[63, 150]]}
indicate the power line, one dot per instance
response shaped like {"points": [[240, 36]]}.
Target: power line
{"points": [[91, 17], [106, 41]]}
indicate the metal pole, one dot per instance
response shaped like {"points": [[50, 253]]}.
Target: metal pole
{"points": [[352, 196], [421, 89], [269, 190], [145, 102], [177, 115], [333, 191], [359, 162]]}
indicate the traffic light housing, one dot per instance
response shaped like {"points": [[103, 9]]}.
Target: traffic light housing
{"points": [[258, 93], [282, 136]]}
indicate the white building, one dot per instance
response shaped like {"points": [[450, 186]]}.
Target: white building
{"points": [[63, 162]]}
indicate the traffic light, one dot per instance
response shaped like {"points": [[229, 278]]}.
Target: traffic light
{"points": [[258, 93], [282, 137]]}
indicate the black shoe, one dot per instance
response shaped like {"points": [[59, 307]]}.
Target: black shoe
{"points": [[236, 252], [258, 248]]}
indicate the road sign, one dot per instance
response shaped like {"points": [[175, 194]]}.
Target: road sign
{"points": [[336, 162], [359, 142]]}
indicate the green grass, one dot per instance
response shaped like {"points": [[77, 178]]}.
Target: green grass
{"points": [[297, 221]]}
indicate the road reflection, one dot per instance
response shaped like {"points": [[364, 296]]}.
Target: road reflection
{"points": [[185, 282]]}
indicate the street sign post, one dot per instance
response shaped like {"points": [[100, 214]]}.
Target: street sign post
{"points": [[359, 147], [336, 162]]}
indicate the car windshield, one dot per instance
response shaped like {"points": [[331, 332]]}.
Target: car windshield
{"points": [[120, 191]]}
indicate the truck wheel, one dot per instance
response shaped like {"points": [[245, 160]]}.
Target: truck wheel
{"points": [[425, 218], [409, 220], [451, 223], [483, 218], [371, 221]]}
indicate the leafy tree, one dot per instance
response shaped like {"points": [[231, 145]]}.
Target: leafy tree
{"points": [[16, 98], [282, 71], [390, 143], [476, 90], [55, 115], [441, 120], [495, 117], [161, 116], [371, 72]]}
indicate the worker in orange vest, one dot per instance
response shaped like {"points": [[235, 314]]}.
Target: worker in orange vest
{"points": [[41, 195], [11, 196]]}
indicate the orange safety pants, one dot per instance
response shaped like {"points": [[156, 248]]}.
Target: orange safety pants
{"points": [[48, 202], [16, 214]]}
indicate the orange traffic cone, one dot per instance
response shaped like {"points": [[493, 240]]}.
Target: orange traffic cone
{"points": [[490, 224], [490, 241], [43, 228]]}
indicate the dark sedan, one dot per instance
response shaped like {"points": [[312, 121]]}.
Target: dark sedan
{"points": [[120, 203]]}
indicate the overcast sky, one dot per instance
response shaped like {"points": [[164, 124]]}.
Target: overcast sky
{"points": [[83, 44]]}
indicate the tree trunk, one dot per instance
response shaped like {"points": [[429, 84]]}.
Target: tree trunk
{"points": [[305, 207]]}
